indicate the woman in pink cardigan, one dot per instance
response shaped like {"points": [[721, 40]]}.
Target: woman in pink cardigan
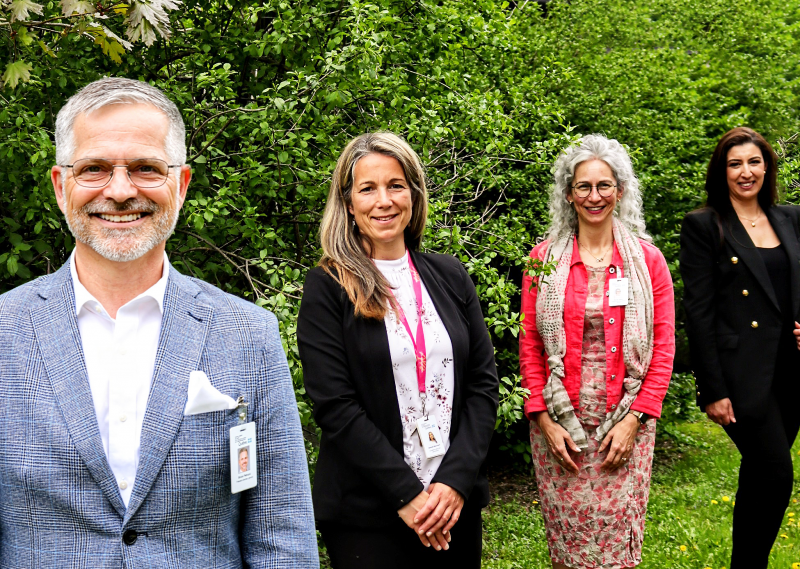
{"points": [[596, 354]]}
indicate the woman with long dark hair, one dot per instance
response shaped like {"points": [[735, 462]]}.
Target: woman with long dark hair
{"points": [[740, 263]]}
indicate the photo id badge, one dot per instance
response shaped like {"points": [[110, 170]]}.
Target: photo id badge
{"points": [[244, 467], [430, 437], [618, 292]]}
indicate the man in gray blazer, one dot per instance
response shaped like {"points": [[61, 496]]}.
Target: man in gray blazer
{"points": [[121, 380]]}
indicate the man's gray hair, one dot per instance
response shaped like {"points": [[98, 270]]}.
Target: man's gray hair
{"points": [[112, 91], [563, 218]]}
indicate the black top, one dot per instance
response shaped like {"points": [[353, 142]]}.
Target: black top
{"points": [[361, 478], [777, 264]]}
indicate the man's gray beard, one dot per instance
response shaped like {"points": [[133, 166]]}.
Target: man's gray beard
{"points": [[123, 245]]}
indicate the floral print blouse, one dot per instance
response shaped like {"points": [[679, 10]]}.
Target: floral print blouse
{"points": [[439, 377]]}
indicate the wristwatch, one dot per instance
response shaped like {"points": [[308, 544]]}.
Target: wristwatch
{"points": [[643, 417]]}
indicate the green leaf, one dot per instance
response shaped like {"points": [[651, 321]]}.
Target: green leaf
{"points": [[12, 265], [12, 224], [45, 48], [25, 37], [113, 49], [16, 72]]}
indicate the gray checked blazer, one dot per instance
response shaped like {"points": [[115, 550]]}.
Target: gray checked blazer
{"points": [[59, 503]]}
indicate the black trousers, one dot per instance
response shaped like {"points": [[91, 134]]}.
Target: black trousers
{"points": [[765, 475], [397, 547]]}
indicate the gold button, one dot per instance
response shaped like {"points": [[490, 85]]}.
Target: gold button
{"points": [[754, 324], [745, 293], [734, 260]]}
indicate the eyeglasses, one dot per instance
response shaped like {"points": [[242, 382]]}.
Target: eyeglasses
{"points": [[144, 173], [584, 189]]}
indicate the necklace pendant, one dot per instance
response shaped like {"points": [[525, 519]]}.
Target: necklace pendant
{"points": [[753, 223]]}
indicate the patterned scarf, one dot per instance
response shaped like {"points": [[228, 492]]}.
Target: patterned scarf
{"points": [[637, 331]]}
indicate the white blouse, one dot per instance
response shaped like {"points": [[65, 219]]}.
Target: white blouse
{"points": [[439, 377]]}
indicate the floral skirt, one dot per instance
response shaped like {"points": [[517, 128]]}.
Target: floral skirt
{"points": [[595, 519]]}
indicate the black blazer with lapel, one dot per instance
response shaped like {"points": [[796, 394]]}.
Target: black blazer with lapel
{"points": [[361, 478], [733, 320]]}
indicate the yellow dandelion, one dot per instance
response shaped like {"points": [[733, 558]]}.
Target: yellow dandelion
{"points": [[795, 565], [714, 502], [726, 498], [794, 500], [535, 502], [682, 548], [784, 536], [790, 514]]}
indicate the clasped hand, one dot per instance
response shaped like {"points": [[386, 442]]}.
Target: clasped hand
{"points": [[619, 442], [432, 514]]}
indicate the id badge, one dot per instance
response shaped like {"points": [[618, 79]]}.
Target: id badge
{"points": [[244, 465], [430, 437], [618, 292]]}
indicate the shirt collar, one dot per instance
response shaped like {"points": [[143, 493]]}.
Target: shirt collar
{"points": [[156, 292], [616, 258]]}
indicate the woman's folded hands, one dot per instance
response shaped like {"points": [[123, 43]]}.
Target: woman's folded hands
{"points": [[432, 514]]}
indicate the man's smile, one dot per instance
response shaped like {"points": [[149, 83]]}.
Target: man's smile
{"points": [[120, 218]]}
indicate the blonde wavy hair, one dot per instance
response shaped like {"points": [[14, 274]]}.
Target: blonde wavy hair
{"points": [[346, 251], [563, 218]]}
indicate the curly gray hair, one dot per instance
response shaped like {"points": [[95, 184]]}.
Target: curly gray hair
{"points": [[563, 218]]}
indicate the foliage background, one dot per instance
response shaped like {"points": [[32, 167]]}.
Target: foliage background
{"points": [[488, 92]]}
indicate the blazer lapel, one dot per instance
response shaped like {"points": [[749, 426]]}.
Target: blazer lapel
{"points": [[739, 240], [786, 233], [184, 328], [58, 337]]}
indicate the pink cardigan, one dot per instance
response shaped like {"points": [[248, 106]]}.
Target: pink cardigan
{"points": [[532, 357]]}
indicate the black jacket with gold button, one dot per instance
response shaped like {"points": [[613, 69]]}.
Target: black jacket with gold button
{"points": [[732, 316]]}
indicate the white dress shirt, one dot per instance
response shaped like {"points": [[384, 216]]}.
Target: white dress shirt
{"points": [[439, 376], [120, 357]]}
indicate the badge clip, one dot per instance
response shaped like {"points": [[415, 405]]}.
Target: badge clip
{"points": [[241, 409]]}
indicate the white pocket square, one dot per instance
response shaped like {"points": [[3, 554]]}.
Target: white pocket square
{"points": [[204, 397]]}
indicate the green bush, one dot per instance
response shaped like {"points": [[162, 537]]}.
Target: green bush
{"points": [[487, 92]]}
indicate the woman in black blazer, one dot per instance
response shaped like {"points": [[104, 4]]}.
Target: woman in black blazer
{"points": [[382, 498], [740, 263]]}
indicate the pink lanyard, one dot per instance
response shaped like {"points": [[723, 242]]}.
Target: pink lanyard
{"points": [[419, 342]]}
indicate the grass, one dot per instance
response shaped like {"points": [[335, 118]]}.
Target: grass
{"points": [[688, 517]]}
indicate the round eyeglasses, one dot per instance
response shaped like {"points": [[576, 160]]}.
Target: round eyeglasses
{"points": [[584, 189], [144, 173]]}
